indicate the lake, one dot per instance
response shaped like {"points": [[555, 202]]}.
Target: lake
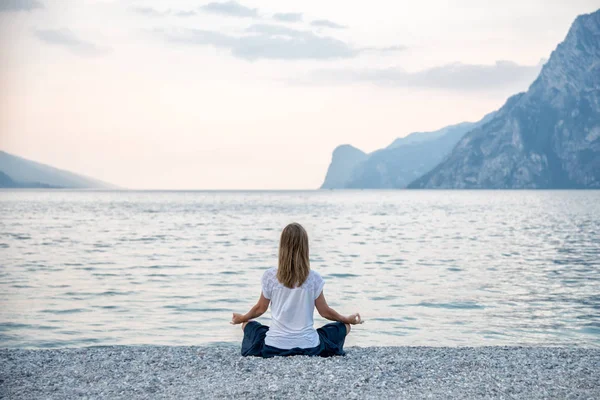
{"points": [[426, 268]]}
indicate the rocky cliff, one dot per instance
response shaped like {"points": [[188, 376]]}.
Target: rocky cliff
{"points": [[343, 161], [547, 137], [397, 165]]}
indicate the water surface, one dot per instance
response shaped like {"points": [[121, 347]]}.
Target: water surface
{"points": [[432, 268]]}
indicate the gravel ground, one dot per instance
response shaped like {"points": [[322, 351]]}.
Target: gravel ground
{"points": [[377, 372]]}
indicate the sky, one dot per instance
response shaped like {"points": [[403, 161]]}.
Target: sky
{"points": [[254, 94]]}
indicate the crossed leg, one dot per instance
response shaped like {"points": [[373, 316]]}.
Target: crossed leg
{"points": [[348, 328]]}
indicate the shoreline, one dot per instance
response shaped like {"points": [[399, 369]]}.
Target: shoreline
{"points": [[368, 372]]}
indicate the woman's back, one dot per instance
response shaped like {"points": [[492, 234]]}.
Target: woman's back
{"points": [[292, 311]]}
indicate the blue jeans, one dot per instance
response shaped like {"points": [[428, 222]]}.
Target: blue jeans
{"points": [[331, 342]]}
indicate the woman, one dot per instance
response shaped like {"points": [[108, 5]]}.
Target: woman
{"points": [[293, 290]]}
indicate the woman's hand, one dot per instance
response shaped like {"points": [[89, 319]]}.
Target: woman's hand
{"points": [[237, 319], [354, 319]]}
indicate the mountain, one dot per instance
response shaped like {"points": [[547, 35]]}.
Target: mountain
{"points": [[7, 182], [20, 172], [545, 138], [343, 161], [395, 166], [420, 137]]}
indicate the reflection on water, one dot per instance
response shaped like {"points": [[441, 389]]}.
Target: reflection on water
{"points": [[423, 267]]}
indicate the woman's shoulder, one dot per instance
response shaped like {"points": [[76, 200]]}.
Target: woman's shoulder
{"points": [[314, 276], [269, 274], [314, 282]]}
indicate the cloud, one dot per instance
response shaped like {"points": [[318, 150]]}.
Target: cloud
{"points": [[183, 13], [386, 49], [325, 23], [67, 39], [456, 76], [288, 17], [152, 12], [19, 5], [231, 8], [264, 41], [269, 29], [149, 11]]}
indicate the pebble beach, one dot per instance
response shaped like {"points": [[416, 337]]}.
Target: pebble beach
{"points": [[157, 372]]}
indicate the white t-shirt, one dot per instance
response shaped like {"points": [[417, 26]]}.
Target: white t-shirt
{"points": [[292, 311]]}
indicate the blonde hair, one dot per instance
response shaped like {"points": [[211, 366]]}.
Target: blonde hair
{"points": [[294, 264]]}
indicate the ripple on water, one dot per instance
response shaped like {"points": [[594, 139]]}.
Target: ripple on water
{"points": [[80, 293], [223, 284], [115, 293], [102, 263], [491, 334], [186, 308], [382, 298], [172, 266], [467, 305], [395, 332], [591, 329], [65, 311], [145, 239], [387, 319], [342, 275], [8, 326], [230, 300]]}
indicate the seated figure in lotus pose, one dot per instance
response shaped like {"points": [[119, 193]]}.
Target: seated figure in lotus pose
{"points": [[293, 290]]}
